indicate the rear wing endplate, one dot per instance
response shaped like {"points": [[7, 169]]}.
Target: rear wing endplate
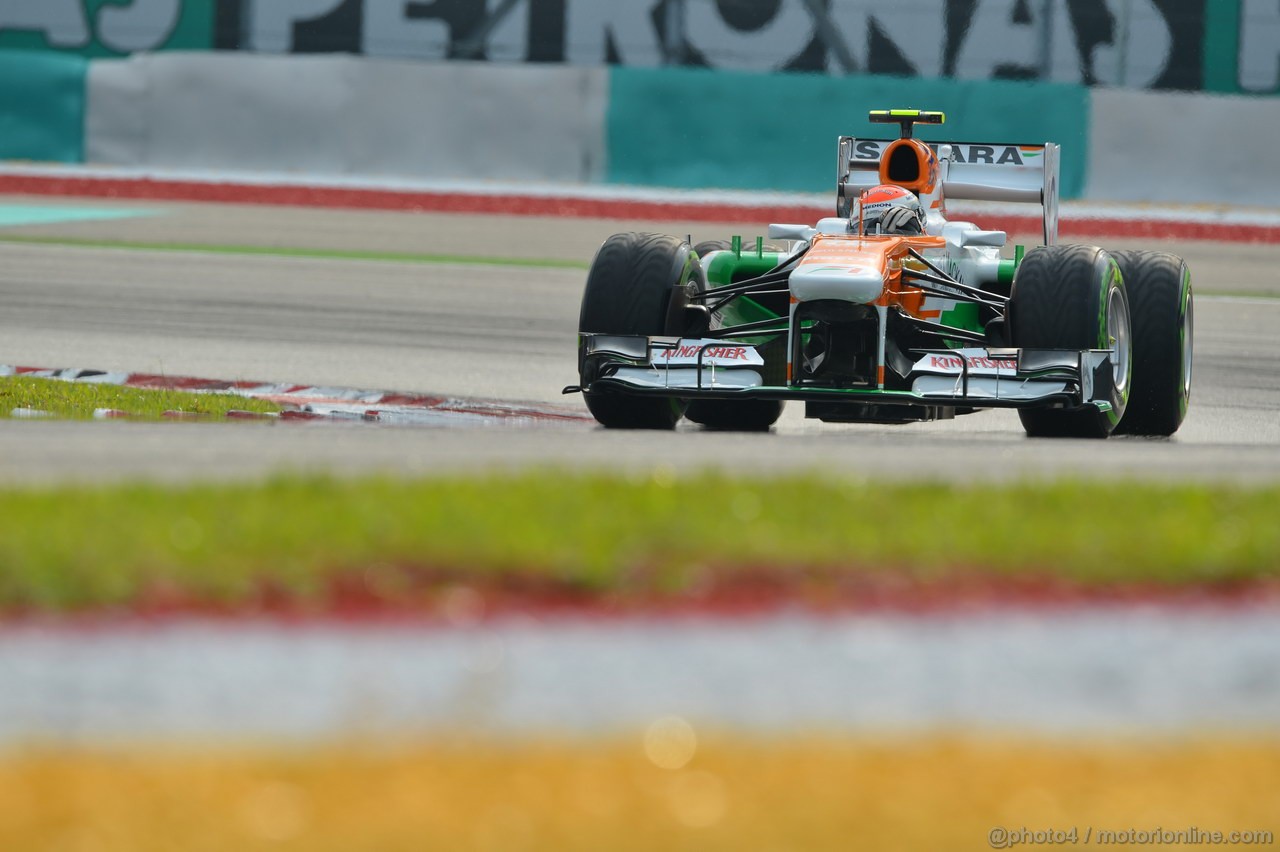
{"points": [[966, 170]]}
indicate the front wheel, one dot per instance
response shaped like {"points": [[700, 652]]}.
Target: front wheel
{"points": [[638, 284], [1073, 297], [737, 415]]}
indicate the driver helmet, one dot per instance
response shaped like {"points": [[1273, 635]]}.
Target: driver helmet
{"points": [[888, 209]]}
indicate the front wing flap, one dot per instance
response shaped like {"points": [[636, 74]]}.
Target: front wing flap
{"points": [[971, 377]]}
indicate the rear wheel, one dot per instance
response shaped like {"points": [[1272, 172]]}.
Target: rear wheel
{"points": [[1073, 297], [1159, 286], [639, 284]]}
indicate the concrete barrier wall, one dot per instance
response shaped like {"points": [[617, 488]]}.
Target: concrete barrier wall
{"points": [[340, 115], [668, 127]]}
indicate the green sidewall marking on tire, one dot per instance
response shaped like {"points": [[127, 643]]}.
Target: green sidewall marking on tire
{"points": [[1110, 279], [1184, 391]]}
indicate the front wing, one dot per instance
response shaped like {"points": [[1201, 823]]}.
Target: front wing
{"points": [[973, 377]]}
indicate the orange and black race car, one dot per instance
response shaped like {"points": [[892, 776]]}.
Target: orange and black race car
{"points": [[890, 312]]}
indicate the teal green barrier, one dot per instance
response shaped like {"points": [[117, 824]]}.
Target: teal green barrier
{"points": [[698, 128], [42, 97], [1222, 47]]}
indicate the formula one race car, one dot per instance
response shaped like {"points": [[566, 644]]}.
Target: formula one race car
{"points": [[891, 313]]}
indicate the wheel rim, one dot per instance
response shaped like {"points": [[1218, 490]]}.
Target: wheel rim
{"points": [[1118, 333], [1186, 349]]}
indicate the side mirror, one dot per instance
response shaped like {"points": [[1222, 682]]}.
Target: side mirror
{"points": [[994, 239], [803, 233]]}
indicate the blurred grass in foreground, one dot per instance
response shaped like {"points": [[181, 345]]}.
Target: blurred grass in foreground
{"points": [[932, 792], [78, 400], [654, 535]]}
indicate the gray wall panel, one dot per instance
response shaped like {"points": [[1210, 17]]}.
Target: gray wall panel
{"points": [[464, 120], [335, 115], [255, 112], [1182, 147], [115, 121]]}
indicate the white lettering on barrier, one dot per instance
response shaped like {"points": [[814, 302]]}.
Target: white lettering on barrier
{"points": [[999, 39], [590, 23], [917, 30], [1260, 45], [1116, 42], [395, 28], [143, 25], [65, 24], [772, 45], [388, 31], [1005, 35], [1140, 52], [62, 22]]}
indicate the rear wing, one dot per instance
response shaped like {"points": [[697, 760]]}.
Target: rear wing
{"points": [[966, 170]]}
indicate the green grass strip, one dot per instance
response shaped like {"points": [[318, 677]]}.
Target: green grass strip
{"points": [[311, 253], [78, 400], [70, 547]]}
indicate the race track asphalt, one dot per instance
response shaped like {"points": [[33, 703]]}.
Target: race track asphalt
{"points": [[507, 333]]}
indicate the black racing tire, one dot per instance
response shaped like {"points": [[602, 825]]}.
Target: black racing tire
{"points": [[739, 415], [638, 284], [1073, 297], [1160, 299]]}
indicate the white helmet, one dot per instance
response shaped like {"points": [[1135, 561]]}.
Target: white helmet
{"points": [[887, 209]]}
